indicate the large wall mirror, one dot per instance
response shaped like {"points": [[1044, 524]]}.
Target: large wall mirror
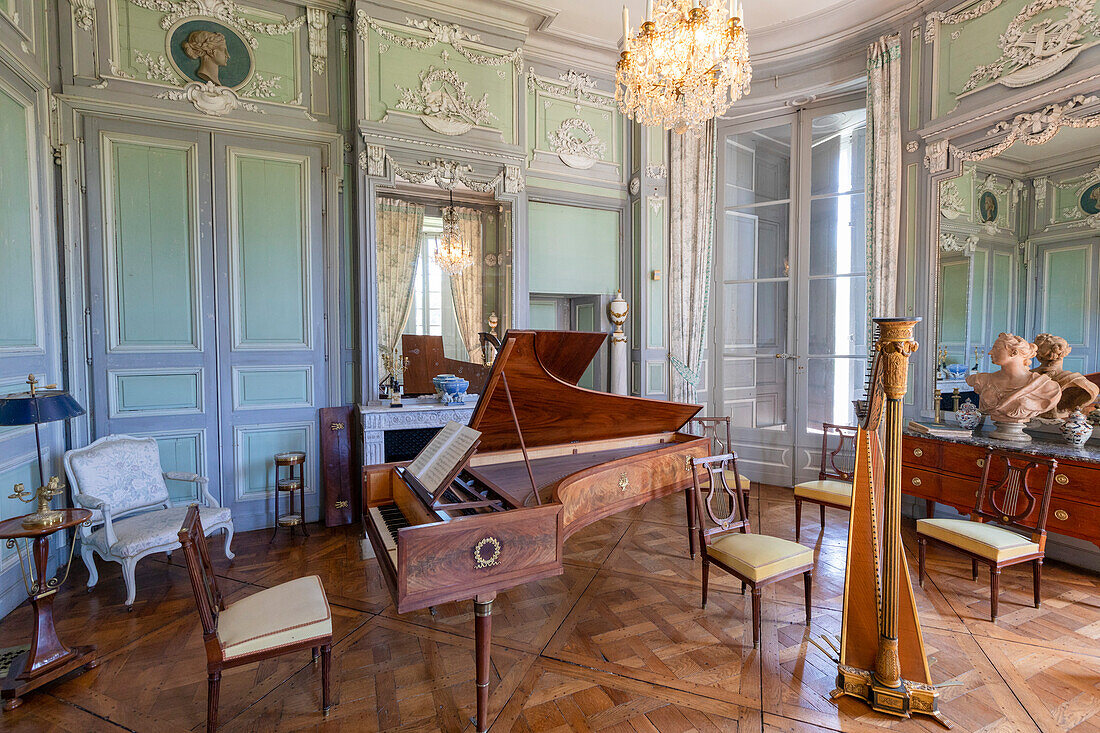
{"points": [[438, 317], [1019, 252]]}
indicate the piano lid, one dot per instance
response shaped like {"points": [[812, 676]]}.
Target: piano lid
{"points": [[542, 368]]}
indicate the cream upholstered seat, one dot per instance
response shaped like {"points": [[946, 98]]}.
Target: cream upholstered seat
{"points": [[987, 540], [759, 556], [286, 614], [743, 481], [829, 491], [833, 486]]}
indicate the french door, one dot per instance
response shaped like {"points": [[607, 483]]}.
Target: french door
{"points": [[206, 304], [789, 317]]}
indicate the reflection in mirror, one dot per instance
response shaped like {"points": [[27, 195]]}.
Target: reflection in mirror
{"points": [[1019, 251], [429, 318]]}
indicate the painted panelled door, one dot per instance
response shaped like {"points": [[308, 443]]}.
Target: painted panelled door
{"points": [[207, 331]]}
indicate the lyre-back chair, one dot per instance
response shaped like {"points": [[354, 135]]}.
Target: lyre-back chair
{"points": [[726, 540], [285, 618], [1014, 505], [718, 431], [833, 487]]}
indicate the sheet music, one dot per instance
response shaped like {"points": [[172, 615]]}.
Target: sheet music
{"points": [[440, 457]]}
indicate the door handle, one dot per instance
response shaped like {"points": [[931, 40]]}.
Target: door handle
{"points": [[786, 356]]}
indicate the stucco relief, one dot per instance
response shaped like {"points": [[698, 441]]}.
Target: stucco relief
{"points": [[573, 149], [442, 103]]}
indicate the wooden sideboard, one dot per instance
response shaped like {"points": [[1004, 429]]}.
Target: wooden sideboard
{"points": [[948, 471]]}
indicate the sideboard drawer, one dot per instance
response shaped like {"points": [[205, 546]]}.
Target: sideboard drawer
{"points": [[921, 482], [1073, 518], [921, 452], [965, 460]]}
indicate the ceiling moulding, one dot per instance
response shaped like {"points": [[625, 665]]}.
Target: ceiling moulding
{"points": [[510, 18], [572, 50]]}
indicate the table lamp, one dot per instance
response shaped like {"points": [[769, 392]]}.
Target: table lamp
{"points": [[33, 408]]}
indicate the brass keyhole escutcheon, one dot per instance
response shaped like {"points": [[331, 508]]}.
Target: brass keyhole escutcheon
{"points": [[980, 462], [916, 481], [1061, 515], [624, 481], [1061, 478], [918, 452], [687, 463]]}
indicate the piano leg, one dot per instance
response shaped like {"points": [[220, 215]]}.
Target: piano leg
{"points": [[483, 633]]}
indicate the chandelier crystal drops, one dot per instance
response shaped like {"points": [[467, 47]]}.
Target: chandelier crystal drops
{"points": [[451, 254], [687, 64]]}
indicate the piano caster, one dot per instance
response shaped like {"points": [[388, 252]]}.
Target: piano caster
{"points": [[431, 610]]}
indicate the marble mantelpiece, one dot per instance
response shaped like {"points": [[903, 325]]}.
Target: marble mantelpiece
{"points": [[421, 412]]}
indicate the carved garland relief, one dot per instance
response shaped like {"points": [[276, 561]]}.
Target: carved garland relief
{"points": [[573, 149], [442, 104]]}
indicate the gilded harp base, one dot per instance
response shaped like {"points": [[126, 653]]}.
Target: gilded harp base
{"points": [[903, 701]]}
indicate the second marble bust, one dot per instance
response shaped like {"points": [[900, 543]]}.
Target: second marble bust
{"points": [[1014, 394]]}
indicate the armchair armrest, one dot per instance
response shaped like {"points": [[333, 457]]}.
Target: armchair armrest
{"points": [[90, 502], [202, 481]]}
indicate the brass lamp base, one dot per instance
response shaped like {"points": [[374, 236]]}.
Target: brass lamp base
{"points": [[39, 520], [902, 701]]}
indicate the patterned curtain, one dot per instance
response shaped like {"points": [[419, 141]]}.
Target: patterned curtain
{"points": [[400, 225], [692, 188], [467, 285], [883, 173]]}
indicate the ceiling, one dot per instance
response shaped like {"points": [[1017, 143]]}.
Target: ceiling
{"points": [[775, 26], [1069, 142]]}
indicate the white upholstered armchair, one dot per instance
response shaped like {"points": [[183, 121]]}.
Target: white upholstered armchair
{"points": [[119, 479]]}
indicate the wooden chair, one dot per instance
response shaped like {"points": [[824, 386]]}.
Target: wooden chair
{"points": [[755, 559], [286, 618], [721, 441], [1011, 503], [833, 487]]}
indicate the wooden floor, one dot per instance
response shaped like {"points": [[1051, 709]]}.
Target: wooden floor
{"points": [[616, 643]]}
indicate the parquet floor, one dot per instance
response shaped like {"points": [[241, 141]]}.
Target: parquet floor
{"points": [[617, 643]]}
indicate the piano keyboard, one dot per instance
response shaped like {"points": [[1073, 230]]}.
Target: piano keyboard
{"points": [[388, 520]]}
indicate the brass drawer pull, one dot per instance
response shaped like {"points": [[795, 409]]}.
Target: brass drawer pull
{"points": [[916, 481], [918, 452], [980, 462], [1061, 515], [624, 481], [1061, 478]]}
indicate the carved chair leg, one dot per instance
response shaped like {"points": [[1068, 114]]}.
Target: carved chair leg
{"points": [[706, 579], [213, 686], [974, 570], [808, 584], [994, 590], [326, 662], [822, 517], [797, 519], [755, 616], [1037, 577], [921, 548], [689, 503]]}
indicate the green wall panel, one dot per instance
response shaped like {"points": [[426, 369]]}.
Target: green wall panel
{"points": [[572, 250], [551, 113], [156, 392], [1002, 307], [543, 316], [260, 387], [1067, 301], [269, 284], [655, 295], [392, 67], [22, 472], [256, 446], [954, 283], [181, 450], [19, 323], [150, 241]]}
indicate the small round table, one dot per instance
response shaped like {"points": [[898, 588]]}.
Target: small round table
{"points": [[48, 658], [290, 460]]}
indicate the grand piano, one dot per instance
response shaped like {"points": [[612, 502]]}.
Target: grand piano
{"points": [[552, 458]]}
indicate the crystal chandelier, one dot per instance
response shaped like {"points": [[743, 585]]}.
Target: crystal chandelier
{"points": [[687, 65], [451, 254]]}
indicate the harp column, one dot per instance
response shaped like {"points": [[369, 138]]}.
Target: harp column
{"points": [[895, 344]]}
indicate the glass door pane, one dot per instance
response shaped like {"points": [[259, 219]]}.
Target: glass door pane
{"points": [[753, 290], [835, 338]]}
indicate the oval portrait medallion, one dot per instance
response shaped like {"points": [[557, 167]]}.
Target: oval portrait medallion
{"points": [[209, 51], [1090, 200], [987, 206]]}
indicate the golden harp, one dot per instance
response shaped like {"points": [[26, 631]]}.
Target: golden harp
{"points": [[882, 659]]}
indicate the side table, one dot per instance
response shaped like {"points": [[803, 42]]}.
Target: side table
{"points": [[48, 658], [290, 460]]}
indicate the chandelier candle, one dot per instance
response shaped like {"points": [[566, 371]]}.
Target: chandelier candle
{"points": [[688, 63]]}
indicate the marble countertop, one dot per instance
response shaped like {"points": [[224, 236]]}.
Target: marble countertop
{"points": [[418, 403], [1042, 444]]}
